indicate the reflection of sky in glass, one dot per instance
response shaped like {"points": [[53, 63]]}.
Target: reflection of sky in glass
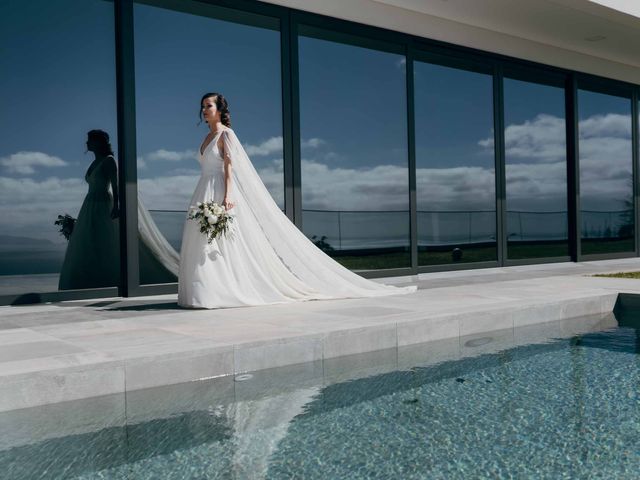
{"points": [[181, 56], [454, 113], [535, 168], [535, 147], [606, 171], [57, 83], [605, 151], [353, 124], [455, 175]]}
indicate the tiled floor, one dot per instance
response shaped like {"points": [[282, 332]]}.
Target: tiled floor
{"points": [[55, 352]]}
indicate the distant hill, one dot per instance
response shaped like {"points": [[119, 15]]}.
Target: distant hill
{"points": [[25, 242]]}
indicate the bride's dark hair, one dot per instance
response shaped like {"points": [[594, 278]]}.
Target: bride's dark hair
{"points": [[102, 139], [221, 105]]}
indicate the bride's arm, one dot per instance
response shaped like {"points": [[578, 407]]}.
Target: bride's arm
{"points": [[226, 156]]}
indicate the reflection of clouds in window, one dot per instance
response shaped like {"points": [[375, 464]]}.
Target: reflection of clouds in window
{"points": [[537, 187], [605, 166], [536, 169], [605, 162], [163, 155], [24, 163], [171, 156], [31, 206], [611, 125], [381, 187], [542, 138], [268, 147]]}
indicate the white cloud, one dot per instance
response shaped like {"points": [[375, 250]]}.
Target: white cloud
{"points": [[29, 207], [312, 143], [608, 126], [535, 181], [274, 145], [543, 139], [170, 155], [536, 153], [268, 147], [163, 155], [23, 163]]}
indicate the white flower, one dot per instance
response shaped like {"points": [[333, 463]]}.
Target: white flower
{"points": [[217, 210], [212, 219], [198, 204]]}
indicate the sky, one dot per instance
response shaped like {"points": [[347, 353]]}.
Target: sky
{"points": [[353, 120]]}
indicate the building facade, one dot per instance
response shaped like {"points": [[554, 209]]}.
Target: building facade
{"points": [[401, 136]]}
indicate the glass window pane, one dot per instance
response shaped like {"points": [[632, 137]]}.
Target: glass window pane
{"points": [[606, 173], [179, 57], [355, 182], [536, 170], [455, 165], [57, 84]]}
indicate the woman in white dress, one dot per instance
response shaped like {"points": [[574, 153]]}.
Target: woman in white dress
{"points": [[266, 260]]}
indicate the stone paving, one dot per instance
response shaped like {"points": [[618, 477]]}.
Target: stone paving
{"points": [[78, 349]]}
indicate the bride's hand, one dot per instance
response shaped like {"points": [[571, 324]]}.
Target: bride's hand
{"points": [[227, 204]]}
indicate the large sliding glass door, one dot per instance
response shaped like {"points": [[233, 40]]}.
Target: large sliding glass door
{"points": [[455, 164], [535, 170], [354, 165], [606, 173]]}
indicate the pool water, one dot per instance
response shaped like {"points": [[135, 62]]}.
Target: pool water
{"points": [[567, 406]]}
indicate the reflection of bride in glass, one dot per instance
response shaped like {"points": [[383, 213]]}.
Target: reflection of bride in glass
{"points": [[267, 259], [92, 258]]}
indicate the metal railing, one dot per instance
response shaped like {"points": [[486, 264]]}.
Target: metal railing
{"points": [[358, 229]]}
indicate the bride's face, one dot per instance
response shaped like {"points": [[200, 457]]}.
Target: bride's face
{"points": [[209, 110]]}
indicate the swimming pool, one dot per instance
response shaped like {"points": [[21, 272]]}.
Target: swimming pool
{"points": [[558, 400]]}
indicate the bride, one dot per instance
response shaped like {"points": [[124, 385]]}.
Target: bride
{"points": [[266, 260]]}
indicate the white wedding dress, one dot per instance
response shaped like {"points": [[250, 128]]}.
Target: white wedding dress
{"points": [[267, 260]]}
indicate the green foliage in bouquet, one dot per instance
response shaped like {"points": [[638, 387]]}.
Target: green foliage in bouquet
{"points": [[213, 219], [66, 223]]}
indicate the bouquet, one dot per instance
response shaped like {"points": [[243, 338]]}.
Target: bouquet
{"points": [[66, 222], [213, 218]]}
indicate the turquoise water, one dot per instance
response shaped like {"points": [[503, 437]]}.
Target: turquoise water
{"points": [[564, 408]]}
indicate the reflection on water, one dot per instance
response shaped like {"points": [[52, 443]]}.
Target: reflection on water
{"points": [[543, 400]]}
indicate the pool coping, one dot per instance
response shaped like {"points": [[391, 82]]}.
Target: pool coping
{"points": [[407, 320]]}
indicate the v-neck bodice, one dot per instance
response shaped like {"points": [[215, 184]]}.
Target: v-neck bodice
{"points": [[211, 160], [97, 176]]}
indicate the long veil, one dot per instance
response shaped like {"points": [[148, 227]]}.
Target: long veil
{"points": [[299, 254], [158, 248]]}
